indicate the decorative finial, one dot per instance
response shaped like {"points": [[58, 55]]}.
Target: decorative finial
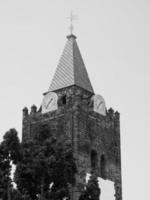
{"points": [[71, 18]]}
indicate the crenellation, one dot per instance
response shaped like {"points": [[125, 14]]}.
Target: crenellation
{"points": [[25, 113], [33, 110]]}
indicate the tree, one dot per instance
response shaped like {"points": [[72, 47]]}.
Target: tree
{"points": [[46, 167], [92, 190], [12, 146], [8, 154], [5, 180]]}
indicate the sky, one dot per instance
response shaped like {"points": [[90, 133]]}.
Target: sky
{"points": [[114, 40]]}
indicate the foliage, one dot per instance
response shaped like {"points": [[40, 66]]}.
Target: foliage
{"points": [[5, 169], [92, 190], [9, 149], [12, 146], [44, 166]]}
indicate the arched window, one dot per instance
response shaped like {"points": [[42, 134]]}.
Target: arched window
{"points": [[103, 166], [94, 159]]}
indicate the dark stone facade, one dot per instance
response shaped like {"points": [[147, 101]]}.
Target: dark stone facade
{"points": [[95, 138]]}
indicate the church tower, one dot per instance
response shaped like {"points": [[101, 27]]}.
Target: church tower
{"points": [[71, 110]]}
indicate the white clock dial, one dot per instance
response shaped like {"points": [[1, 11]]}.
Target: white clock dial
{"points": [[99, 104], [49, 102]]}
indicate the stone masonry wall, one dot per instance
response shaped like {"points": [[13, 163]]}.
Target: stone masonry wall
{"points": [[95, 138]]}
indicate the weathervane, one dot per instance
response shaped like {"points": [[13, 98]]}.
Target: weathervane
{"points": [[71, 18]]}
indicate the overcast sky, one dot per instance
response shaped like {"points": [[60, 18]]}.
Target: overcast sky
{"points": [[114, 39]]}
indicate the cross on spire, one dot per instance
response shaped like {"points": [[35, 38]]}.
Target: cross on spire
{"points": [[71, 18]]}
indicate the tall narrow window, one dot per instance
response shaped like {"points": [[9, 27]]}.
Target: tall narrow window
{"points": [[64, 100], [103, 166], [94, 159]]}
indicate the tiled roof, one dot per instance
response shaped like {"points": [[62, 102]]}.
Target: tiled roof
{"points": [[71, 69]]}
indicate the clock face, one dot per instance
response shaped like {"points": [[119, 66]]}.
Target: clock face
{"points": [[99, 104], [49, 102]]}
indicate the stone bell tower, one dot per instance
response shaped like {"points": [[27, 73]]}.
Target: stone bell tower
{"points": [[71, 110]]}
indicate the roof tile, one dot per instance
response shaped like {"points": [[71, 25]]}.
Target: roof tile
{"points": [[71, 69]]}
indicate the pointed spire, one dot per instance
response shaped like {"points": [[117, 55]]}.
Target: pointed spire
{"points": [[71, 69]]}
